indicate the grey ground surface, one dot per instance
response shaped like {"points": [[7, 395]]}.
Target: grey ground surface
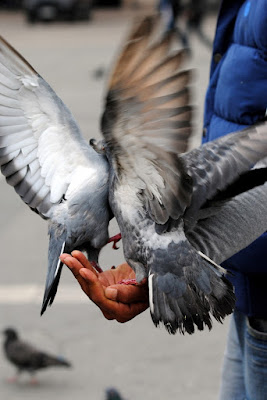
{"points": [[141, 361]]}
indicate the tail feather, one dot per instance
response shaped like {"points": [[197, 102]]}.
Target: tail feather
{"points": [[50, 361], [188, 296], [56, 247]]}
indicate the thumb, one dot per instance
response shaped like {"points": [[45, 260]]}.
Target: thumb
{"points": [[127, 294]]}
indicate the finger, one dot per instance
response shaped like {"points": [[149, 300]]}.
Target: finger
{"points": [[71, 263], [83, 260], [95, 290], [108, 315], [75, 266], [88, 281], [126, 312], [127, 294]]}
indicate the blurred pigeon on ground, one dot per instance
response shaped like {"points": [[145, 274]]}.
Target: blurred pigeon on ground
{"points": [[98, 73], [180, 213], [50, 165], [176, 210], [113, 394], [27, 358]]}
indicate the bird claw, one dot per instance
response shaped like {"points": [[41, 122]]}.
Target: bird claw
{"points": [[12, 379], [115, 239], [34, 381], [96, 266]]}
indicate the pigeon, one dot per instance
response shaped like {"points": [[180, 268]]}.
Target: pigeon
{"points": [[113, 394], [27, 358], [44, 156], [180, 212], [98, 73]]}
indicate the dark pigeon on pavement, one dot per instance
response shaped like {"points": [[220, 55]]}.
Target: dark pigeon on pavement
{"points": [[113, 394], [27, 358]]}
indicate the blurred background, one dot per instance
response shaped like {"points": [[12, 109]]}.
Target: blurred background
{"points": [[72, 45]]}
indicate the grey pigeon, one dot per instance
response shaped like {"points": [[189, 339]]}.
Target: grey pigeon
{"points": [[27, 358], [180, 213], [50, 165], [113, 394]]}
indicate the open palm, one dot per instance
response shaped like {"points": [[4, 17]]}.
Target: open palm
{"points": [[106, 289]]}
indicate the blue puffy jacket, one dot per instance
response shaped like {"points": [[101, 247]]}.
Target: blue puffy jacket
{"points": [[236, 98]]}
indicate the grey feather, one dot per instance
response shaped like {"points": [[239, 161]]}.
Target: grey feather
{"points": [[219, 163], [233, 226]]}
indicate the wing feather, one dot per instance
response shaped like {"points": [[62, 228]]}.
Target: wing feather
{"points": [[13, 112], [216, 165], [17, 177], [147, 121], [40, 142], [233, 226], [131, 55]]}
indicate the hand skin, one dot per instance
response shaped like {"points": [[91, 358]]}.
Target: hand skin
{"points": [[116, 301]]}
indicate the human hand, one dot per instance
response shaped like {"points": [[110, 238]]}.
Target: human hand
{"points": [[116, 301]]}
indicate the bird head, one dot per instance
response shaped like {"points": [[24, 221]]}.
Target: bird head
{"points": [[10, 333], [98, 146], [113, 394]]}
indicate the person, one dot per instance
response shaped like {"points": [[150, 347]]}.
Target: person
{"points": [[170, 10], [185, 18], [235, 98]]}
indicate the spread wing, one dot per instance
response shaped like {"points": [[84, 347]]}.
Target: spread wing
{"points": [[234, 225], [42, 152], [147, 121], [223, 167]]}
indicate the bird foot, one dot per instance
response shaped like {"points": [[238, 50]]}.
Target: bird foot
{"points": [[34, 381], [115, 239], [96, 266], [128, 282], [12, 379]]}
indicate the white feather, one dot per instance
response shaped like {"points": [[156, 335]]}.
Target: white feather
{"points": [[6, 91], [7, 111], [11, 120], [8, 102], [150, 292], [7, 78]]}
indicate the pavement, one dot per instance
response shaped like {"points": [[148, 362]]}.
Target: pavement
{"points": [[142, 362]]}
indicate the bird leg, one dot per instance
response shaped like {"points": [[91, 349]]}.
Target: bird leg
{"points": [[34, 381], [96, 266], [115, 239], [15, 378], [12, 379]]}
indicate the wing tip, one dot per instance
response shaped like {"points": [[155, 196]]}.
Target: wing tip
{"points": [[4, 44]]}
